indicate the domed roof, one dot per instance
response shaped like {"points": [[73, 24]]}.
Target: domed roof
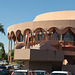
{"points": [[59, 15]]}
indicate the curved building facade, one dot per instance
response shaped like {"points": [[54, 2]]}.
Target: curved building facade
{"points": [[53, 31]]}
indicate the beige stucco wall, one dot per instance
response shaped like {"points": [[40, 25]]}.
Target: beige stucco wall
{"points": [[38, 55], [60, 24], [20, 26], [59, 20], [22, 54]]}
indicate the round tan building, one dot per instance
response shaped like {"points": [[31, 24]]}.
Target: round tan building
{"points": [[53, 31]]}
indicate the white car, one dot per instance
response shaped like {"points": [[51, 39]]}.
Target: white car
{"points": [[4, 62], [37, 72], [20, 72], [60, 73], [27, 72]]}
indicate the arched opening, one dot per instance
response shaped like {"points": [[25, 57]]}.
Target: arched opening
{"points": [[13, 36], [27, 37], [54, 34], [19, 36], [68, 34], [29, 33], [69, 37], [9, 36], [40, 34]]}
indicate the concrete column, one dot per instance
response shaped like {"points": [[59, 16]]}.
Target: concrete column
{"points": [[46, 36], [28, 41], [32, 38], [61, 41], [51, 35], [14, 44], [36, 38], [8, 49], [16, 39], [23, 38], [43, 36], [61, 37], [39, 37]]}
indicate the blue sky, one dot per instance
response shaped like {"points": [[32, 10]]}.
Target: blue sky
{"points": [[18, 11]]}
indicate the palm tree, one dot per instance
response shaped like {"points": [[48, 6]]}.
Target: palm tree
{"points": [[2, 29]]}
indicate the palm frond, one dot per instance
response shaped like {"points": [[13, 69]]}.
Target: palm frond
{"points": [[2, 29]]}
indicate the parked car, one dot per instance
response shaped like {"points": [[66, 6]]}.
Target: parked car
{"points": [[4, 62], [7, 72], [27, 72], [37, 72], [17, 66], [20, 72], [60, 73], [9, 66]]}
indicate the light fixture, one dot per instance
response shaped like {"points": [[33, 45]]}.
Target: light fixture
{"points": [[47, 32], [44, 32], [51, 32], [40, 33]]}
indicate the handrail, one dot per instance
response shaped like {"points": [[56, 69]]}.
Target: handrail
{"points": [[63, 43]]}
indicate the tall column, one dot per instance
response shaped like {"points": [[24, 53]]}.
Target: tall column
{"points": [[14, 49], [61, 41], [8, 49], [43, 36], [46, 36], [14, 44], [16, 39], [28, 41], [32, 38], [39, 37], [36, 38], [23, 38], [61, 37], [51, 35]]}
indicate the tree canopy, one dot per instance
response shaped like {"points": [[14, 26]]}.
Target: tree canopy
{"points": [[2, 51], [2, 29], [3, 55]]}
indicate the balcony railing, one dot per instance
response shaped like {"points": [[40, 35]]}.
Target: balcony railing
{"points": [[68, 43]]}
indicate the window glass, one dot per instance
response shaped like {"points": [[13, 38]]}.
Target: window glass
{"points": [[21, 37], [56, 36], [58, 74], [68, 37], [20, 73], [40, 73]]}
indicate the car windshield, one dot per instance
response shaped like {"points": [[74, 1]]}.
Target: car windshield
{"points": [[58, 74], [20, 73], [40, 73], [16, 65]]}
